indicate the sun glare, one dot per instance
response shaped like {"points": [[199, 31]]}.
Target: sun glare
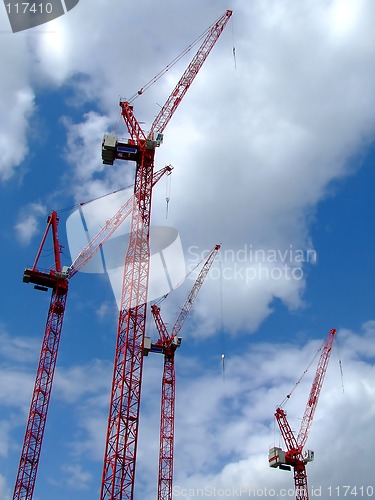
{"points": [[344, 15]]}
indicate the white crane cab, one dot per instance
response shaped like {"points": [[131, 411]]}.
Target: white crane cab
{"points": [[276, 457]]}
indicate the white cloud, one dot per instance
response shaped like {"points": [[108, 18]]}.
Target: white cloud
{"points": [[104, 310], [223, 429], [17, 354], [16, 104], [4, 490], [87, 137], [255, 148], [28, 224], [77, 381], [16, 388], [5, 428], [77, 479], [17, 349]]}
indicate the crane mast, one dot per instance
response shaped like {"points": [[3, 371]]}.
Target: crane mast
{"points": [[122, 430], [295, 456], [123, 420], [167, 344]]}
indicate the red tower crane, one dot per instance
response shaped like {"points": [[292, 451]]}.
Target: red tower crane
{"points": [[58, 280], [295, 456], [122, 431], [167, 345]]}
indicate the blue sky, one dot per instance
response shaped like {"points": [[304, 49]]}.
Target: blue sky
{"points": [[275, 154]]}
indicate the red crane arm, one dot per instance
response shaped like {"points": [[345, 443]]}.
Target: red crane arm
{"points": [[165, 337], [293, 444], [32, 444], [315, 389], [300, 482], [293, 456], [52, 222], [134, 129], [110, 227], [187, 78], [286, 432], [193, 294], [122, 430], [160, 325]]}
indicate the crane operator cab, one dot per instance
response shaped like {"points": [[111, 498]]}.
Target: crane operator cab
{"points": [[276, 458], [114, 148]]}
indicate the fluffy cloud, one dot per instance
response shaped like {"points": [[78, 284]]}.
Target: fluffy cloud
{"points": [[16, 104], [28, 224], [273, 134], [224, 428], [255, 149], [4, 491]]}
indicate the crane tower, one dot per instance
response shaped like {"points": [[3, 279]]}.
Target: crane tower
{"points": [[167, 345], [123, 420]]}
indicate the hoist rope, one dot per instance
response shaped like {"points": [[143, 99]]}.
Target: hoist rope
{"points": [[301, 377], [167, 193], [82, 203], [340, 365], [233, 46], [169, 66], [159, 301], [117, 122], [221, 310]]}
